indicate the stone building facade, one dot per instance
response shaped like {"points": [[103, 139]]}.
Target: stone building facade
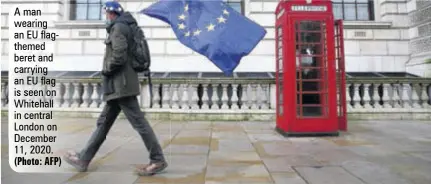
{"points": [[419, 13], [380, 35]]}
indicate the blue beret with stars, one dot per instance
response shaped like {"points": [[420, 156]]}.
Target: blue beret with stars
{"points": [[113, 6]]}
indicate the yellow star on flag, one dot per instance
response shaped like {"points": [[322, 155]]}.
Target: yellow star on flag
{"points": [[197, 32], [188, 33], [182, 17], [186, 8], [181, 26], [225, 12], [210, 27], [221, 19]]}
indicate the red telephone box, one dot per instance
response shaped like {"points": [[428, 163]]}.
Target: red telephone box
{"points": [[310, 76]]}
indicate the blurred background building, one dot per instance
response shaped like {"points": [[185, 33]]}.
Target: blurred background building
{"points": [[380, 35], [387, 47]]}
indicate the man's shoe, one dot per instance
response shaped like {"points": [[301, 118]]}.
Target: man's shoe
{"points": [[72, 158], [151, 169]]}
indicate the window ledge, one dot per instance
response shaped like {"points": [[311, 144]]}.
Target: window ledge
{"points": [[84, 24], [366, 25]]}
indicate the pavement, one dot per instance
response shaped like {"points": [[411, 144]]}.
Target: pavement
{"points": [[371, 152]]}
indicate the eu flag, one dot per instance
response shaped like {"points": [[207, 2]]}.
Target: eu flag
{"points": [[211, 28]]}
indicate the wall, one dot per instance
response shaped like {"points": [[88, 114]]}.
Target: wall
{"points": [[381, 45], [420, 37]]}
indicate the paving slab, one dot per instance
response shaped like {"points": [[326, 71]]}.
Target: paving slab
{"points": [[175, 176], [373, 173], [277, 148], [336, 156], [227, 127], [422, 155], [231, 145], [135, 152], [258, 127], [201, 152], [187, 162], [170, 126], [193, 133], [238, 173], [238, 136], [371, 150], [198, 125], [291, 177], [414, 169], [30, 178], [327, 175], [285, 163], [187, 149], [265, 137], [226, 158], [103, 177]]}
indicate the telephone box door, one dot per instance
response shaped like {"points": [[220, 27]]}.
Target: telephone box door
{"points": [[341, 75], [316, 105]]}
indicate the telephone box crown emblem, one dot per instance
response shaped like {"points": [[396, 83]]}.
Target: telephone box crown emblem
{"points": [[308, 1]]}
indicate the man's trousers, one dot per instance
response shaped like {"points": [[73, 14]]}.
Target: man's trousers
{"points": [[136, 117]]}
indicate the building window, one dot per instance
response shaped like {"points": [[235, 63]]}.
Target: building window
{"points": [[238, 5], [86, 10], [353, 9]]}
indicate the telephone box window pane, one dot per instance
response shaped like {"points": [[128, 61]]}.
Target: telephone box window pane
{"points": [[311, 73], [298, 87], [311, 62], [312, 86], [310, 25], [363, 12], [314, 49], [312, 111], [311, 37], [349, 12], [311, 99]]}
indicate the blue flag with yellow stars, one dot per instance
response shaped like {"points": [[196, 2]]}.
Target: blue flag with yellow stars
{"points": [[211, 28]]}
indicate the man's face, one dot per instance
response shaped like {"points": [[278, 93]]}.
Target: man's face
{"points": [[110, 16]]}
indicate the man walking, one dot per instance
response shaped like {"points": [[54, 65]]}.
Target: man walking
{"points": [[121, 86]]}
